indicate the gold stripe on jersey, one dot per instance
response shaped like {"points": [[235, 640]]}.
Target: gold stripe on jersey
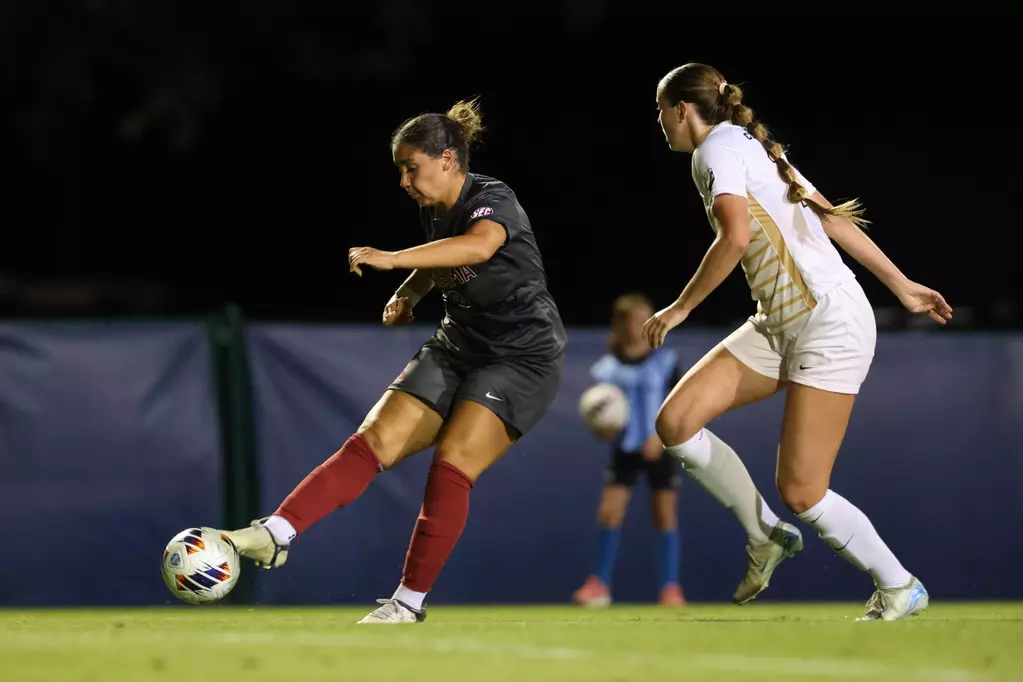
{"points": [[775, 283], [785, 288], [765, 265], [752, 258], [758, 236], [784, 304], [785, 256], [760, 290], [781, 325]]}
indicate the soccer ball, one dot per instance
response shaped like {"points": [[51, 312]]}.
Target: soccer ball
{"points": [[200, 565], [604, 408]]}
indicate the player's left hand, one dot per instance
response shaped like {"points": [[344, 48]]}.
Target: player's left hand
{"points": [[919, 299], [663, 321], [367, 255]]}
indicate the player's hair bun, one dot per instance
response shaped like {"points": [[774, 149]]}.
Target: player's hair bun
{"points": [[467, 115]]}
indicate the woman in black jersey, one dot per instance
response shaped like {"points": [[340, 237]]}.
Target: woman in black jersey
{"points": [[484, 379]]}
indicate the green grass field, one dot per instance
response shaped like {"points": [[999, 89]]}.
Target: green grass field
{"points": [[759, 642]]}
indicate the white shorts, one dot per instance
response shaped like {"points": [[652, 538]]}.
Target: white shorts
{"points": [[832, 350]]}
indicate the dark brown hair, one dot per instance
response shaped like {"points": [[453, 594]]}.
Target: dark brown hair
{"points": [[700, 86], [433, 133]]}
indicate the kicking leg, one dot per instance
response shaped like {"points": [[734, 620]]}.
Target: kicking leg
{"points": [[472, 440], [815, 425], [397, 426]]}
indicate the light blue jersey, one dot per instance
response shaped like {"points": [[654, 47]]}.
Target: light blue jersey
{"points": [[646, 383]]}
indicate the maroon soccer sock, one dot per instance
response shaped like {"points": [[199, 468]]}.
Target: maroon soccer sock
{"points": [[335, 483], [440, 524]]}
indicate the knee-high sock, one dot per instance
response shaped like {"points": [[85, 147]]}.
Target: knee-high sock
{"points": [[849, 532], [335, 483], [716, 467], [440, 524]]}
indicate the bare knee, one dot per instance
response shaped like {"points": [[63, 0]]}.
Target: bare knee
{"points": [[716, 384], [613, 503], [677, 422], [610, 517], [802, 479], [663, 510], [800, 496], [462, 457], [387, 449]]}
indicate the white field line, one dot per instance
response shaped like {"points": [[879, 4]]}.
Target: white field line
{"points": [[835, 668]]}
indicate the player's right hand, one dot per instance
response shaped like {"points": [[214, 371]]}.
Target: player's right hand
{"points": [[663, 321], [398, 311]]}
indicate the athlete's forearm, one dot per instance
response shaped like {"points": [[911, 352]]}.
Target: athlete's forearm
{"points": [[417, 285], [722, 257], [453, 252], [857, 244]]}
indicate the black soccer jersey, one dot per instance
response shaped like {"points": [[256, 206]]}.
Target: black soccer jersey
{"points": [[502, 306]]}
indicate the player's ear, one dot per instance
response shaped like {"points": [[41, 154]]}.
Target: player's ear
{"points": [[682, 109], [448, 161]]}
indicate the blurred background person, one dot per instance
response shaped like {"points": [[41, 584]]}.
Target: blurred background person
{"points": [[646, 376]]}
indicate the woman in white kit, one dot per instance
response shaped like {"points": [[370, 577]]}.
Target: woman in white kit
{"points": [[813, 335]]}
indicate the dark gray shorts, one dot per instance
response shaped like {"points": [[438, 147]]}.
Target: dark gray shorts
{"points": [[625, 467], [517, 389]]}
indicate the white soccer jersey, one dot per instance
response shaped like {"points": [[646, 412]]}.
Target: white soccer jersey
{"points": [[790, 263]]}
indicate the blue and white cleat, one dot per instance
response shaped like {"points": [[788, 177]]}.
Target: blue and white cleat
{"points": [[898, 602], [785, 541]]}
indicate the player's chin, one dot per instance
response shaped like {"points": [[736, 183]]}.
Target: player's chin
{"points": [[679, 145], [422, 200]]}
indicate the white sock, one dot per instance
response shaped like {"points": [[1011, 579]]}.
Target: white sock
{"points": [[716, 467], [410, 597], [850, 533], [281, 529]]}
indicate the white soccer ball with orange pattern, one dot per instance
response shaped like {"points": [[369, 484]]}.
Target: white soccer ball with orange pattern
{"points": [[200, 565]]}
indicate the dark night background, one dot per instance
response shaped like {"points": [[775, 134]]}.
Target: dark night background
{"points": [[168, 158], [181, 342]]}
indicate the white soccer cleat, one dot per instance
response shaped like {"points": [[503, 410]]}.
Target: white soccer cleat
{"points": [[257, 543], [394, 611], [785, 541], [897, 603]]}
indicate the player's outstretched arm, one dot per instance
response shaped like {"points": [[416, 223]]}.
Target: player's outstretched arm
{"points": [[732, 214], [480, 242], [915, 297]]}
